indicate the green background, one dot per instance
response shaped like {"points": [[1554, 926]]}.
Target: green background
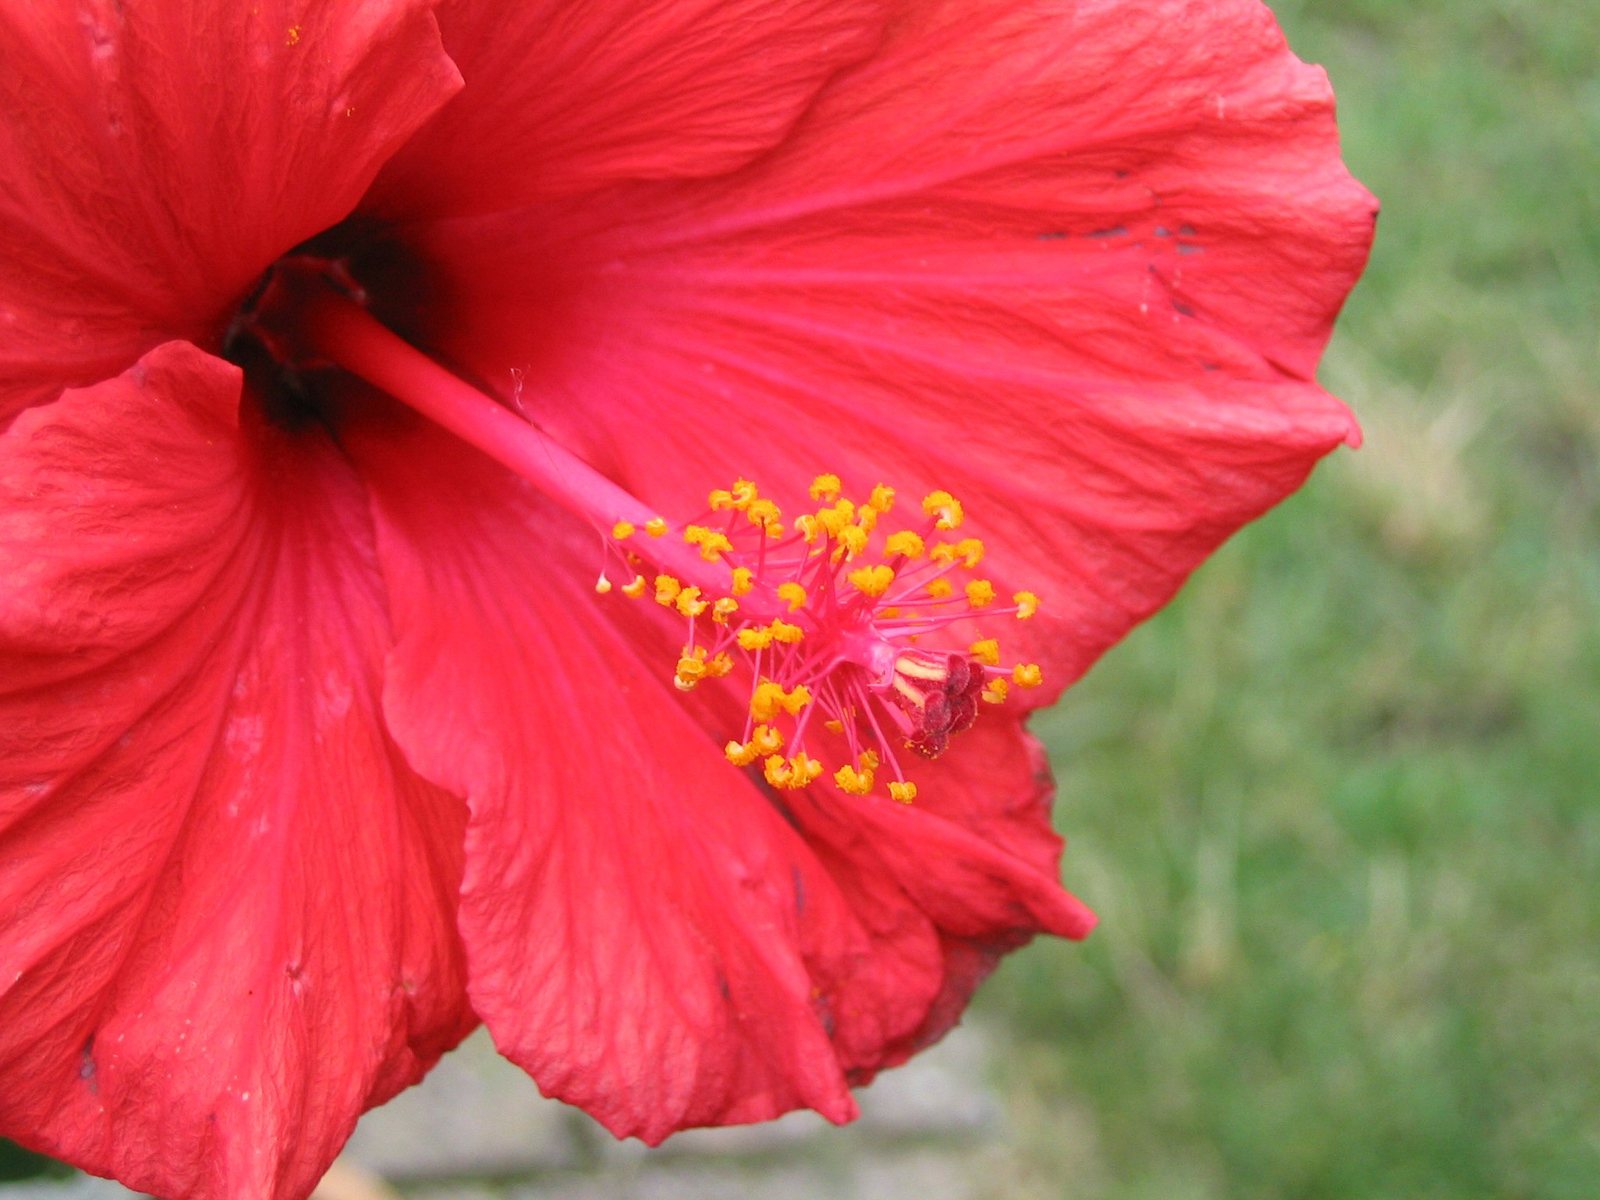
{"points": [[1337, 805]]}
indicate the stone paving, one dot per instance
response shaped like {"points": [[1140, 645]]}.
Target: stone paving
{"points": [[477, 1129]]}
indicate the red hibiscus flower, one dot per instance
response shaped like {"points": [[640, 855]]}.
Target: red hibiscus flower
{"points": [[340, 348]]}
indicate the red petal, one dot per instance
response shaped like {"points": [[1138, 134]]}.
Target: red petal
{"points": [[226, 909], [159, 156], [565, 95], [1075, 269], [644, 929]]}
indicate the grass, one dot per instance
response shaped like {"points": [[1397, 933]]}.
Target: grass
{"points": [[1337, 804]]}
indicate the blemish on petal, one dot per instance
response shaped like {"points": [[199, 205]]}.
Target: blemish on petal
{"points": [[88, 1069]]}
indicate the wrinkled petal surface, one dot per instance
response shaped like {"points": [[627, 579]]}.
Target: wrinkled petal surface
{"points": [[1076, 266], [653, 935], [226, 904], [564, 96], [159, 156], [636, 914]]}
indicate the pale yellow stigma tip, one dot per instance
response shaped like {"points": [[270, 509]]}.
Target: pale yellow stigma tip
{"points": [[635, 589], [602, 585]]}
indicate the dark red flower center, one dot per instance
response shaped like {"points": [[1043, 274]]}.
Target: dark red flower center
{"points": [[362, 259]]}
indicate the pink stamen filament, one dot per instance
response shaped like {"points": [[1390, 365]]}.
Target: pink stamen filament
{"points": [[844, 657], [340, 330]]}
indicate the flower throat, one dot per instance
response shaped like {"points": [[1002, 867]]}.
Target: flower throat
{"points": [[851, 629]]}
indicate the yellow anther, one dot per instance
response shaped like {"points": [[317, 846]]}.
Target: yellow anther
{"points": [[903, 792], [690, 604], [945, 507], [743, 580], [723, 609], [793, 595], [995, 691], [655, 526], [719, 499], [602, 585], [795, 699], [836, 518], [853, 782], [713, 543], [825, 487], [789, 635], [778, 772], [833, 726], [805, 769], [890, 612], [622, 529], [852, 541], [986, 651], [719, 665], [739, 753], [980, 593], [808, 527], [870, 760], [755, 639], [667, 589], [744, 494], [940, 589], [904, 542], [968, 552], [866, 518], [871, 581], [766, 739], [691, 668], [1027, 604], [1027, 675], [798, 772], [635, 589], [882, 498], [765, 514], [767, 700]]}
